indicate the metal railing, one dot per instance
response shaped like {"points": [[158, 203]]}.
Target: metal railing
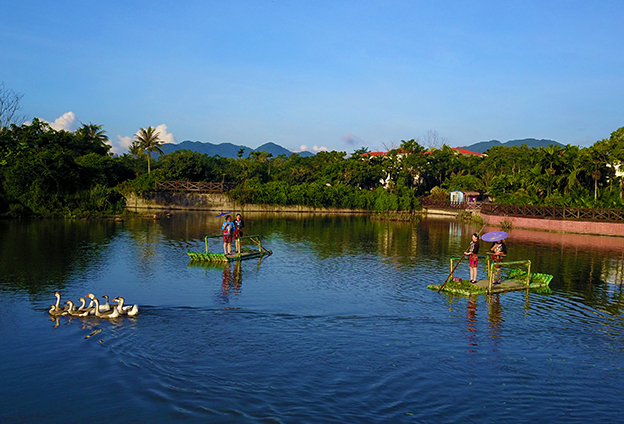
{"points": [[554, 212], [192, 186]]}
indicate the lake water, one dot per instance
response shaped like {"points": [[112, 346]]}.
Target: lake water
{"points": [[336, 326]]}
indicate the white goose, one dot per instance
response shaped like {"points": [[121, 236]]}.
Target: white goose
{"points": [[80, 312], [105, 307], [106, 315], [131, 311], [56, 309], [83, 307], [102, 308]]}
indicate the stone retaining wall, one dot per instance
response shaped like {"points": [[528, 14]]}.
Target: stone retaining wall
{"points": [[169, 200]]}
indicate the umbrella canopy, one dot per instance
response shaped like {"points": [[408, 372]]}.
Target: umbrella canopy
{"points": [[222, 214], [494, 236]]}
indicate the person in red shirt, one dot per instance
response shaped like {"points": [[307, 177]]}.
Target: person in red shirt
{"points": [[473, 251]]}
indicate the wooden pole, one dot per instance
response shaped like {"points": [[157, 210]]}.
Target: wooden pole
{"points": [[451, 274]]}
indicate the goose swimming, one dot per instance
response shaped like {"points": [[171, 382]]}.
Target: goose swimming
{"points": [[77, 312], [82, 308], [106, 315], [103, 308], [131, 311], [56, 309]]}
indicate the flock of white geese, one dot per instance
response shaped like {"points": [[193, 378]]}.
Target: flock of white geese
{"points": [[106, 310]]}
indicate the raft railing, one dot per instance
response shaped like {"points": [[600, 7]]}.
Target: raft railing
{"points": [[491, 265], [239, 255], [491, 269], [255, 239]]}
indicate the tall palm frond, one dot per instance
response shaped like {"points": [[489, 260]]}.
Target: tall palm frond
{"points": [[149, 141]]}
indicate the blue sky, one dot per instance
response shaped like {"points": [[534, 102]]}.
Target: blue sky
{"points": [[334, 75]]}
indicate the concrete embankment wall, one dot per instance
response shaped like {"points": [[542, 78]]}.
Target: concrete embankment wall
{"points": [[168, 200], [560, 226]]}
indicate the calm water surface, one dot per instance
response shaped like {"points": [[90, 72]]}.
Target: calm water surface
{"points": [[336, 326]]}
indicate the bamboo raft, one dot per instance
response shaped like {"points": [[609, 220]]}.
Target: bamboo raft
{"points": [[516, 279], [236, 256]]}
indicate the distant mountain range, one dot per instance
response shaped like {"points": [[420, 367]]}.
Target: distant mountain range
{"points": [[230, 150], [482, 146]]}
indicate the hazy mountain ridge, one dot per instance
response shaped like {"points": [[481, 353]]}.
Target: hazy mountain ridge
{"points": [[230, 150], [483, 146]]}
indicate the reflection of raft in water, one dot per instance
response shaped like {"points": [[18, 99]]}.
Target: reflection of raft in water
{"points": [[516, 279], [245, 253]]}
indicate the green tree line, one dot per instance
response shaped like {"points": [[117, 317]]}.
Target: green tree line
{"points": [[48, 172]]}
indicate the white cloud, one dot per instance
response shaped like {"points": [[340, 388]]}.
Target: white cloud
{"points": [[68, 122], [122, 145], [164, 135], [315, 148]]}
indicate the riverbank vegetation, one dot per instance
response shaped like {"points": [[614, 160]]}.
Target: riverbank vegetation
{"points": [[44, 172]]}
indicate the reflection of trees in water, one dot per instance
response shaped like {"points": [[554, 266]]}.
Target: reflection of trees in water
{"points": [[190, 225], [613, 271], [334, 234], [146, 236], [38, 255], [592, 275]]}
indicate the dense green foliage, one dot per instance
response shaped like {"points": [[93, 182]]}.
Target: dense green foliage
{"points": [[48, 172], [564, 176]]}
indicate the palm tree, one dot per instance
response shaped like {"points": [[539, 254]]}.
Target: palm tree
{"points": [[135, 149], [95, 136], [149, 141]]}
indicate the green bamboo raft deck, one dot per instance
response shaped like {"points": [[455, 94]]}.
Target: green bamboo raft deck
{"points": [[516, 279], [245, 253]]}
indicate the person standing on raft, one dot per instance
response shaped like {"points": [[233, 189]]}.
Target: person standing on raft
{"points": [[238, 231], [473, 251], [500, 249], [228, 229]]}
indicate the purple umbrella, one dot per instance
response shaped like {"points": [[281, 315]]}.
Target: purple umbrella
{"points": [[494, 236], [224, 213]]}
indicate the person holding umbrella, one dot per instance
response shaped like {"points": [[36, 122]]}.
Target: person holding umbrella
{"points": [[500, 249], [228, 229]]}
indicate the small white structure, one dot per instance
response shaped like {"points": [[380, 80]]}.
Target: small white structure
{"points": [[459, 196]]}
